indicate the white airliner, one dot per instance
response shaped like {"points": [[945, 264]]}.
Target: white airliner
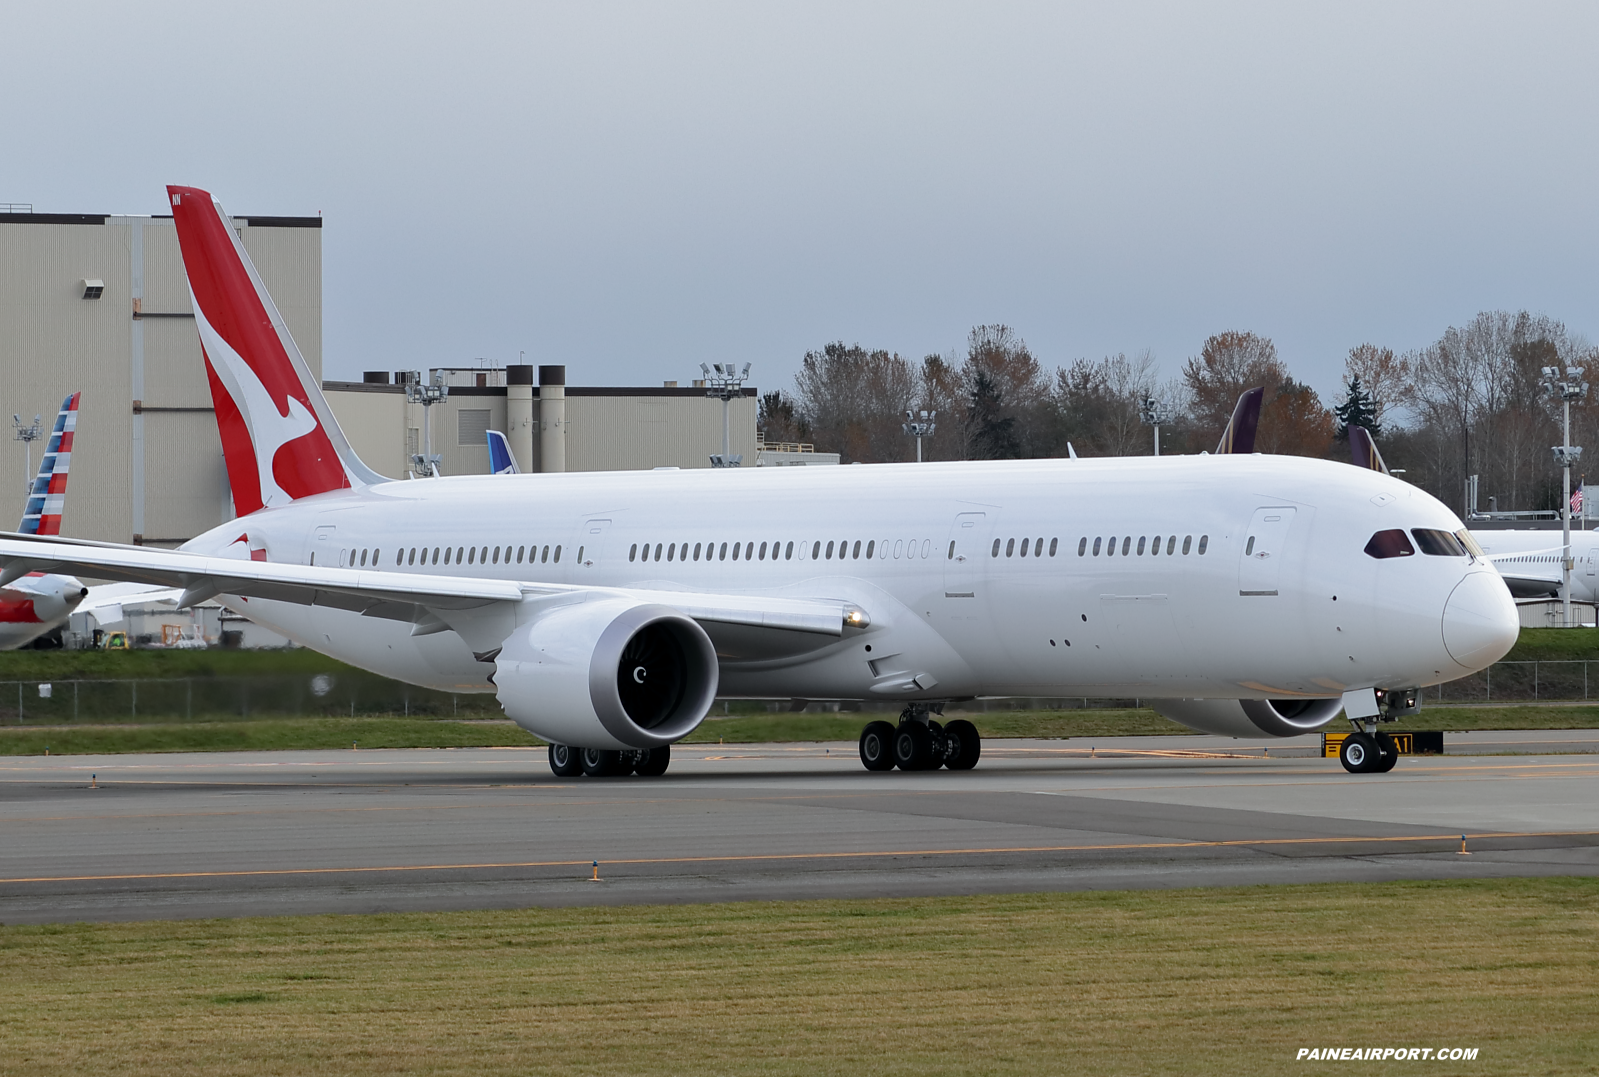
{"points": [[1241, 594]]}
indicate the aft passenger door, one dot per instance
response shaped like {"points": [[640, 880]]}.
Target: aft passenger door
{"points": [[1265, 543], [962, 553]]}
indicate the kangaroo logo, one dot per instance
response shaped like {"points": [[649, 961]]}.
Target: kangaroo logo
{"points": [[269, 428]]}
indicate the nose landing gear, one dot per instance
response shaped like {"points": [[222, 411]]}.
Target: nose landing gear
{"points": [[920, 743], [1368, 753]]}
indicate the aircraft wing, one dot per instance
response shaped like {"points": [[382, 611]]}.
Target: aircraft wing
{"points": [[421, 598]]}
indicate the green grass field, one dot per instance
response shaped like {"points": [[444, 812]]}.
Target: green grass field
{"points": [[1227, 981]]}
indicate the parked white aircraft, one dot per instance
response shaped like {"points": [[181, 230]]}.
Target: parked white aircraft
{"points": [[1243, 594]]}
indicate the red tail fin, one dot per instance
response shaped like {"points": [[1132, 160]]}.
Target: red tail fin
{"points": [[278, 434]]}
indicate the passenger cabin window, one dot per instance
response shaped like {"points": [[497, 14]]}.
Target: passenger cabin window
{"points": [[1082, 546], [1204, 540], [1390, 543], [1438, 543]]}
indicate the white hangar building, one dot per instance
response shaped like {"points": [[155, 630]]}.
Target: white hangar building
{"points": [[99, 303]]}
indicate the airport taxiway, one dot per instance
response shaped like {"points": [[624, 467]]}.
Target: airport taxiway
{"points": [[229, 834]]}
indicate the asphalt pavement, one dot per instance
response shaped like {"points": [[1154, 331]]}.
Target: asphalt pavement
{"points": [[261, 833]]}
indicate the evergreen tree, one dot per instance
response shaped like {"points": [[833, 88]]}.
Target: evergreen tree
{"points": [[1358, 409]]}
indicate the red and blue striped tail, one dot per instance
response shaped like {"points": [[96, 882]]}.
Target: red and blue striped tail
{"points": [[49, 492]]}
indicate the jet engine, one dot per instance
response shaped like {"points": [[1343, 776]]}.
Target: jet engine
{"points": [[610, 673], [1251, 717]]}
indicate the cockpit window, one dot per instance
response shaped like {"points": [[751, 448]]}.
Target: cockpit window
{"points": [[1394, 543], [1438, 543], [1469, 542]]}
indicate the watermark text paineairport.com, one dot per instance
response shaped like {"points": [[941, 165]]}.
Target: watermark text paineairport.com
{"points": [[1387, 1054]]}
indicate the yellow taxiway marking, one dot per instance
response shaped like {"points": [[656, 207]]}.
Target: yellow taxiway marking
{"points": [[758, 857]]}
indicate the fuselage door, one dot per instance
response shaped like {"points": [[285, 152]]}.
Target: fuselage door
{"points": [[322, 547], [591, 543], [961, 555], [1265, 543]]}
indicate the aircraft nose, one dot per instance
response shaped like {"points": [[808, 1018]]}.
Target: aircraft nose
{"points": [[1480, 624]]}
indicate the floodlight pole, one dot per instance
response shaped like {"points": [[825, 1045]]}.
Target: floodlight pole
{"points": [[426, 462], [725, 384], [919, 428], [27, 435], [1154, 413], [1569, 388]]}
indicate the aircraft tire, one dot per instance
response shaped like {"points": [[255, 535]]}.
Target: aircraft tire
{"points": [[602, 763], [652, 762], [877, 746], [1359, 753], [1390, 754], [968, 745], [913, 746], [565, 761]]}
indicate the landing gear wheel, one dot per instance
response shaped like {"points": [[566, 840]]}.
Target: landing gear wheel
{"points": [[965, 743], [877, 746], [1390, 754], [913, 746], [652, 762], [1359, 753], [603, 763], [565, 761]]}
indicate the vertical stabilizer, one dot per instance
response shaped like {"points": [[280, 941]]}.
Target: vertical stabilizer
{"points": [[1363, 450], [502, 461], [48, 495], [1239, 437], [279, 436]]}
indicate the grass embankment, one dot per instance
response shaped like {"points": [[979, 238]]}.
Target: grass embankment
{"points": [[91, 665], [1221, 981], [1555, 645], [267, 734]]}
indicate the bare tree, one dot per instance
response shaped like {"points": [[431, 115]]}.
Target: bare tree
{"points": [[852, 399], [1386, 378]]}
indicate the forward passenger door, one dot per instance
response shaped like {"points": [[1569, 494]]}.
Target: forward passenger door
{"points": [[962, 554], [1265, 544]]}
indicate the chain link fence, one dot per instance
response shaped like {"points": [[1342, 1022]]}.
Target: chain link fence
{"points": [[321, 695], [1520, 682]]}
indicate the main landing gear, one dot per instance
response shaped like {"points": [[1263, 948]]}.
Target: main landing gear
{"points": [[920, 743], [569, 762]]}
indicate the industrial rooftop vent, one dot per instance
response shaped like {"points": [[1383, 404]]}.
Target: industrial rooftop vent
{"points": [[93, 289]]}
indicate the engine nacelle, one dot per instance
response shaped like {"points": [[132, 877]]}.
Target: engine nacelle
{"points": [[608, 674], [1251, 717]]}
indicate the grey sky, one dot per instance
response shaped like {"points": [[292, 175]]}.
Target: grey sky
{"points": [[632, 189]]}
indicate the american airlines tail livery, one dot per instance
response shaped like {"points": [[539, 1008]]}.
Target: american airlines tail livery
{"points": [[1243, 594], [39, 602]]}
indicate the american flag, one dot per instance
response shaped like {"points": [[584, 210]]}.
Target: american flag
{"points": [[1576, 501]]}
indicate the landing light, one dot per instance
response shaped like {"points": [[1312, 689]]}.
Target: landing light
{"points": [[855, 617]]}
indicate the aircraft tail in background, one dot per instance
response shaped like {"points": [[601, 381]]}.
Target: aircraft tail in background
{"points": [[46, 498], [1239, 437], [279, 436], [502, 461]]}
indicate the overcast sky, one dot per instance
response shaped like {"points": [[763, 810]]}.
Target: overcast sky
{"points": [[633, 189]]}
